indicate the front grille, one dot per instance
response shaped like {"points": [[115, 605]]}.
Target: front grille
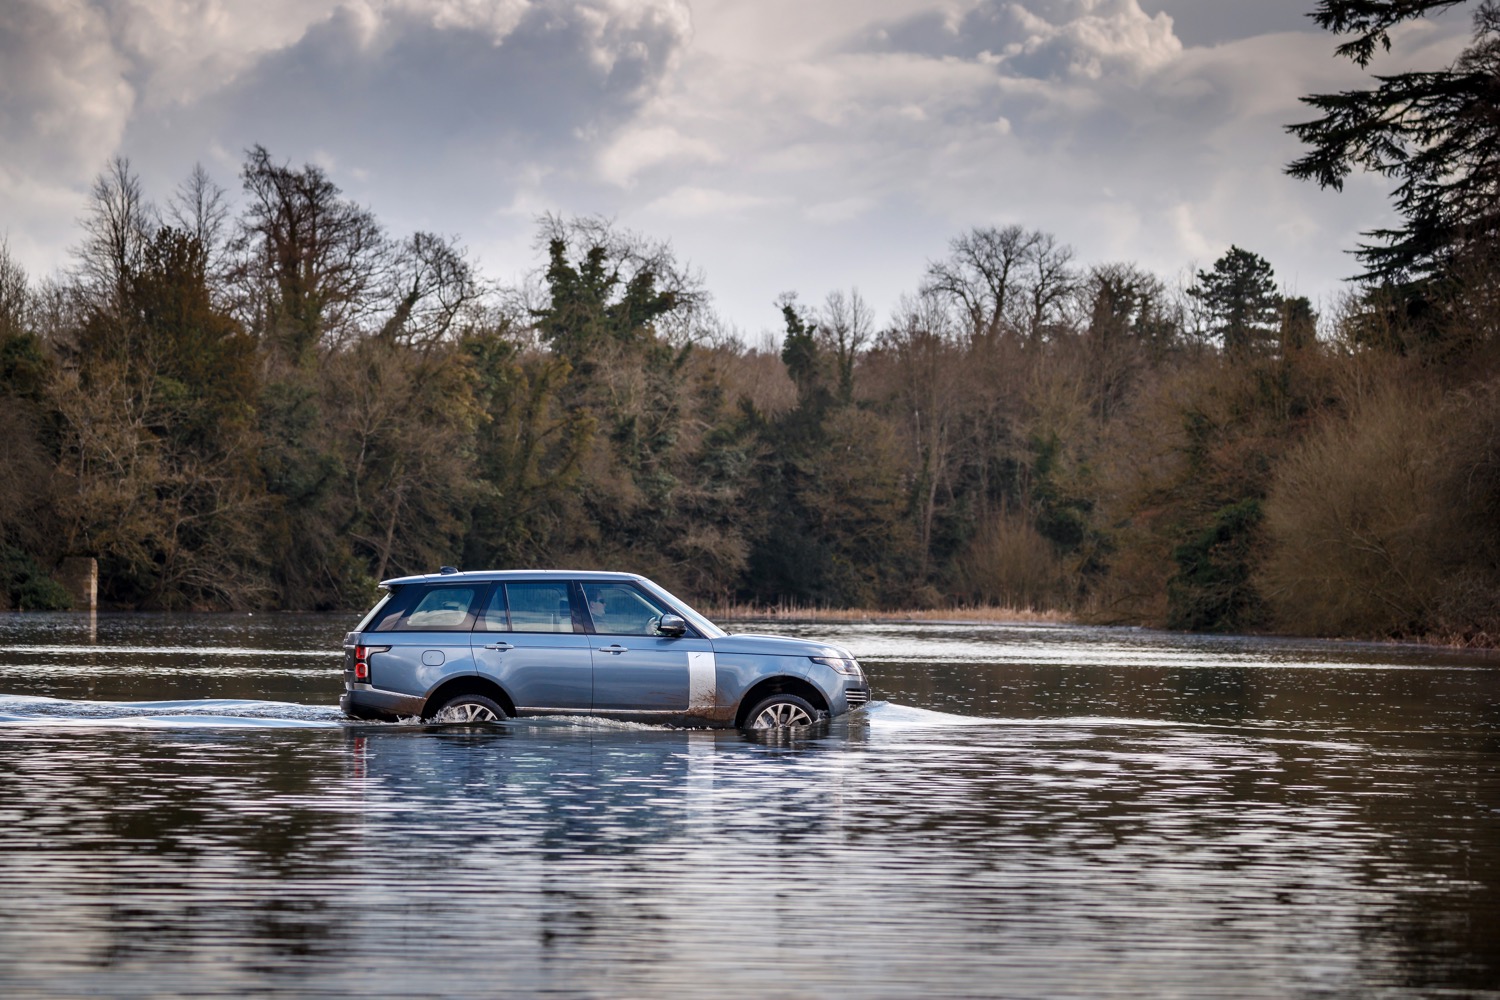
{"points": [[856, 698]]}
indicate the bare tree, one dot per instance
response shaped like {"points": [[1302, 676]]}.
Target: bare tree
{"points": [[1130, 324], [928, 362], [199, 208], [847, 325], [15, 295], [979, 277], [1049, 280], [311, 261], [117, 225], [402, 435], [432, 285]]}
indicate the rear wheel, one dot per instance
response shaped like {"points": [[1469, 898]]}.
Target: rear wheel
{"points": [[781, 711], [468, 709]]}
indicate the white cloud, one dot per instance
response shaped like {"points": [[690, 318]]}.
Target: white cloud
{"points": [[842, 210], [495, 18], [1088, 38], [181, 49], [635, 150], [1185, 228], [690, 202]]}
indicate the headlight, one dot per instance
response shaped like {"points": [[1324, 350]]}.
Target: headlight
{"points": [[843, 666]]}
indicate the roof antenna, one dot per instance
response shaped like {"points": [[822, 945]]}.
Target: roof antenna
{"points": [[445, 570]]}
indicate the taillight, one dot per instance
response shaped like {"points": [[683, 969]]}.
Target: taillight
{"points": [[362, 660]]}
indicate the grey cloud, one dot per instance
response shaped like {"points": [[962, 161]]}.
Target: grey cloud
{"points": [[1040, 39], [1213, 22], [431, 121], [989, 27], [63, 89], [64, 98], [416, 87], [1065, 73], [993, 25]]}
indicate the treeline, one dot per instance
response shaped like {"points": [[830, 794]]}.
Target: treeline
{"points": [[280, 407]]}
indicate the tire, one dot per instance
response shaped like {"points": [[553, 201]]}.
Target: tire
{"points": [[781, 711], [468, 710]]}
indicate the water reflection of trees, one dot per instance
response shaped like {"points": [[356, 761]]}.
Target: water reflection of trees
{"points": [[176, 845]]}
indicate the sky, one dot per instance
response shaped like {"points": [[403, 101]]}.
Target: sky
{"points": [[801, 146]]}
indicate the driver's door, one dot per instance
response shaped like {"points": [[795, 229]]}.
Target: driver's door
{"points": [[636, 670]]}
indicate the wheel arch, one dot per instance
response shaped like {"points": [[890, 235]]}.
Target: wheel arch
{"points": [[780, 684], [468, 684]]}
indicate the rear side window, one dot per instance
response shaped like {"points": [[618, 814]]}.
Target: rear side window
{"points": [[539, 607], [374, 614], [496, 616], [442, 609], [387, 614]]}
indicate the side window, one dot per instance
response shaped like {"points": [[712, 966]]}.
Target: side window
{"points": [[441, 609], [495, 617], [539, 607], [620, 609]]}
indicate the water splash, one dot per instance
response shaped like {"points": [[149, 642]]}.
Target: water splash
{"points": [[29, 710], [884, 715]]}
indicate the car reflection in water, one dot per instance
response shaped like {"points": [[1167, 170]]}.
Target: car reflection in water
{"points": [[552, 786]]}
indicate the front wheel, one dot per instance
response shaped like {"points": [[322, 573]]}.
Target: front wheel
{"points": [[468, 709], [781, 711]]}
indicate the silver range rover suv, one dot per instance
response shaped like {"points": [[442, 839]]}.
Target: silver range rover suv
{"points": [[485, 646]]}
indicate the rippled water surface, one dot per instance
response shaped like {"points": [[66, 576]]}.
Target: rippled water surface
{"points": [[1024, 812]]}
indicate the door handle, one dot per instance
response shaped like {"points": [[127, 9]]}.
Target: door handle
{"points": [[614, 648], [501, 646]]}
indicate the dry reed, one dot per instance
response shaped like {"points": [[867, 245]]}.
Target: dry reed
{"points": [[967, 614]]}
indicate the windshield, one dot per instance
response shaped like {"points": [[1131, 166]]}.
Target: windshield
{"points": [[703, 625]]}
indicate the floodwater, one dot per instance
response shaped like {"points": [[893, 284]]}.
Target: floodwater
{"points": [[1023, 812]]}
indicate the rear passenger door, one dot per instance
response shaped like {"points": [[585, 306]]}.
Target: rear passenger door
{"points": [[530, 640], [430, 641]]}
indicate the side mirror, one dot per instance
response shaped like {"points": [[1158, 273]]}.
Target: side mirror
{"points": [[671, 626]]}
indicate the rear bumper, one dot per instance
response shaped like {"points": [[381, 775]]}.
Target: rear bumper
{"points": [[360, 701]]}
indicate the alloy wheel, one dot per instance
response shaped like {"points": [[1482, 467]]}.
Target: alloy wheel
{"points": [[781, 714]]}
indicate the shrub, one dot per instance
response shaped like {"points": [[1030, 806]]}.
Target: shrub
{"points": [[1356, 522], [1010, 564], [27, 587]]}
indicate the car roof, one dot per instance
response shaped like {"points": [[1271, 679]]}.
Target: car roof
{"points": [[489, 575]]}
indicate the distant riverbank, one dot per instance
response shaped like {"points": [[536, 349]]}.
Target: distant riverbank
{"points": [[1474, 641], [979, 615], [976, 614]]}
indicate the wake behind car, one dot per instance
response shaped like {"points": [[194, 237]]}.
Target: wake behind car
{"points": [[486, 646]]}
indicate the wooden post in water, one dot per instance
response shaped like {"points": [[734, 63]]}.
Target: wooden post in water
{"points": [[80, 574]]}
